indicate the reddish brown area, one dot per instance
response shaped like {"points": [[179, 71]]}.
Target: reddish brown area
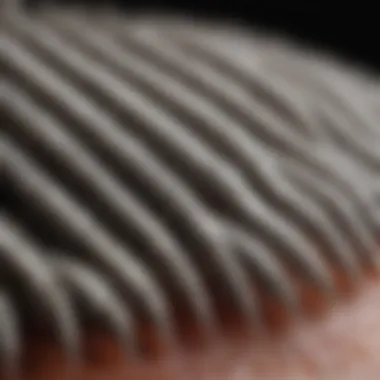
{"points": [[342, 344]]}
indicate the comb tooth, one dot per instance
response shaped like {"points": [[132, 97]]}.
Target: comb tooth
{"points": [[260, 262], [159, 49], [254, 116], [38, 128], [98, 299], [359, 146], [341, 208], [10, 336], [20, 259], [104, 48], [244, 105], [219, 179], [133, 279], [267, 89], [133, 160]]}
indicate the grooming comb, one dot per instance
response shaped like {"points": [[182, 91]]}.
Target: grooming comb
{"points": [[158, 170]]}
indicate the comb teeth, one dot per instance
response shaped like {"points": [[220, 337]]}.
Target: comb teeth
{"points": [[153, 169]]}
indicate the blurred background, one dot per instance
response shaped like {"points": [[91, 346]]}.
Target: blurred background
{"points": [[349, 30]]}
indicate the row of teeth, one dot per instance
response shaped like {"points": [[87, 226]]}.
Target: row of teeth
{"points": [[163, 165]]}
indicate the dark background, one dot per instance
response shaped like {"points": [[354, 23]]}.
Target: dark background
{"points": [[349, 30]]}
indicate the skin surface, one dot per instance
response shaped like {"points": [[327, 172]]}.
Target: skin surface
{"points": [[342, 344]]}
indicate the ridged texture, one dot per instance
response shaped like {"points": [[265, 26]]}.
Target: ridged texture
{"points": [[150, 165]]}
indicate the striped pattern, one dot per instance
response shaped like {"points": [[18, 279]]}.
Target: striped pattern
{"points": [[150, 165]]}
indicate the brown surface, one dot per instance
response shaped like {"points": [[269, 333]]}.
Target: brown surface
{"points": [[344, 344]]}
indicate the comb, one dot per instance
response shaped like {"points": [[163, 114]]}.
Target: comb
{"points": [[156, 168]]}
